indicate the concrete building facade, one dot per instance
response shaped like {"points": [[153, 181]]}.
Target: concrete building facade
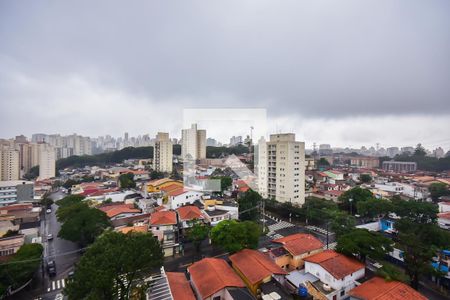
{"points": [[193, 143], [163, 153]]}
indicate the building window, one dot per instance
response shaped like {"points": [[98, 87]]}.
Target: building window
{"points": [[342, 293]]}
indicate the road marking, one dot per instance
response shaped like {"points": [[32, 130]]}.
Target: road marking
{"points": [[58, 284], [48, 290], [53, 285], [63, 282]]}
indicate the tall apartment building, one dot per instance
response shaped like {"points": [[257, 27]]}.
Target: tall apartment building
{"points": [[193, 142], [285, 165], [9, 163], [163, 153], [260, 159], [47, 158], [65, 146]]}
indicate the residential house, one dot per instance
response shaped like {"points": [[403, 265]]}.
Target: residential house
{"points": [[189, 213], [295, 248], [379, 289], [118, 211], [444, 206], [181, 197], [256, 268], [214, 279], [337, 274], [444, 220], [163, 225], [214, 215], [155, 186], [168, 286]]}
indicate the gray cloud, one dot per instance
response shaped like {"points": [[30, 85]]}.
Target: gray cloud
{"points": [[314, 60]]}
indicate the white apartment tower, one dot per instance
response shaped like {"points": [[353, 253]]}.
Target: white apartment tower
{"points": [[283, 160], [163, 153], [261, 166], [47, 157], [193, 142]]}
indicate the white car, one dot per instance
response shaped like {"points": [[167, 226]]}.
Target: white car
{"points": [[49, 237], [49, 211]]}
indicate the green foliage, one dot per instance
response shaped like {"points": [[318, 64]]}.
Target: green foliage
{"points": [[21, 267], [175, 175], [420, 150], [391, 272], [105, 158], [234, 236], [109, 266], [69, 183], [156, 175], [10, 233], [198, 233], [340, 222], [363, 244], [69, 200], [318, 209], [126, 181], [322, 162], [356, 194], [215, 152], [365, 178], [416, 212], [33, 173], [437, 190], [81, 223], [248, 204], [374, 207], [426, 163], [47, 202]]}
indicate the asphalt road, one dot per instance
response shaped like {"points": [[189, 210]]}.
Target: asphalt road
{"points": [[63, 252]]}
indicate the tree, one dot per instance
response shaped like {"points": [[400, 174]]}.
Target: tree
{"points": [[126, 181], [81, 223], [234, 236], [420, 150], [350, 198], [175, 175], [323, 162], [363, 243], [340, 222], [365, 178], [156, 175], [69, 200], [437, 190], [47, 202], [198, 233], [248, 205], [416, 212], [33, 173], [21, 267], [374, 207], [392, 273], [109, 266], [318, 209]]}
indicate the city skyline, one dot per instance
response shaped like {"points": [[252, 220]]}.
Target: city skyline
{"points": [[383, 72]]}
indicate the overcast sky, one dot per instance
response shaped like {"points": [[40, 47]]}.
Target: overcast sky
{"points": [[348, 72]]}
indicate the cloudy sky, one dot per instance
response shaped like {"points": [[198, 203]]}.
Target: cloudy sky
{"points": [[348, 73]]}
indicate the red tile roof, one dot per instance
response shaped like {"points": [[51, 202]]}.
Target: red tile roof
{"points": [[117, 209], [189, 212], [379, 289], [338, 265], [299, 243], [176, 192], [211, 275], [445, 215], [179, 286], [163, 218], [254, 265]]}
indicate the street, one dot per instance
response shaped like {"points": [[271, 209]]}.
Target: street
{"points": [[63, 252]]}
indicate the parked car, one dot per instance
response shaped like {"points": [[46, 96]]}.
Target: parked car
{"points": [[49, 237], [49, 210], [51, 268]]}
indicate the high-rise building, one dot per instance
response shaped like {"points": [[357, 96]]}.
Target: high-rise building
{"points": [[193, 142], [163, 153], [236, 140], [285, 168], [9, 163], [47, 157], [260, 160]]}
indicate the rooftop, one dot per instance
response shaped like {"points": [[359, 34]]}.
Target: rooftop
{"points": [[179, 286], [211, 275], [338, 265], [379, 289], [163, 218], [189, 212], [254, 265], [300, 243]]}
